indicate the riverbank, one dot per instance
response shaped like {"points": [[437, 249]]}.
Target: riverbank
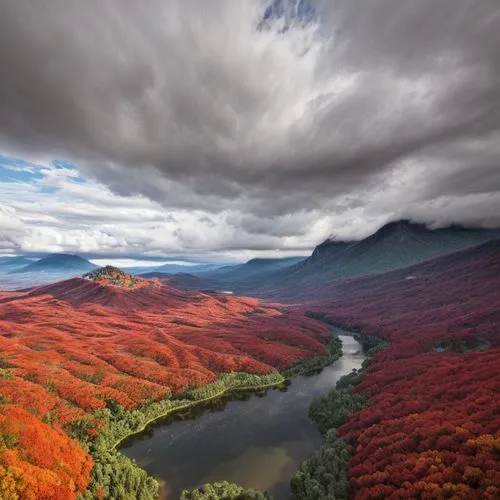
{"points": [[193, 403], [329, 413], [121, 476]]}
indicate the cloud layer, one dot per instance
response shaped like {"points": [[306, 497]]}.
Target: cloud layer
{"points": [[54, 209], [275, 130]]}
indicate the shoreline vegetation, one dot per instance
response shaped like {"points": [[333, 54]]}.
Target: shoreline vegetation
{"points": [[324, 474], [116, 476]]}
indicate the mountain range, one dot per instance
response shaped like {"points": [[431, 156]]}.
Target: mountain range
{"points": [[9, 263], [395, 245]]}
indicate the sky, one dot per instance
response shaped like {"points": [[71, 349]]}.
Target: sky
{"points": [[226, 130]]}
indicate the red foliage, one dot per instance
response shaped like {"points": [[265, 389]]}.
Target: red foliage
{"points": [[68, 347], [433, 430]]}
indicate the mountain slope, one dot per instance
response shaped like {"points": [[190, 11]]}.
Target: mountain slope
{"points": [[394, 246], [58, 263], [76, 354], [440, 268], [432, 424]]}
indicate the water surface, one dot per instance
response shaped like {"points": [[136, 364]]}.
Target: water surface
{"points": [[257, 441]]}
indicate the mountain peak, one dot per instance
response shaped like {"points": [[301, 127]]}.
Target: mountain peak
{"points": [[401, 224], [111, 275], [328, 248], [401, 230]]}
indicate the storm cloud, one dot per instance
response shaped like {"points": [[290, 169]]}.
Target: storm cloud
{"points": [[362, 111]]}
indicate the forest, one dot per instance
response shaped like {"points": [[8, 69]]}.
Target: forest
{"points": [[432, 428], [85, 363]]}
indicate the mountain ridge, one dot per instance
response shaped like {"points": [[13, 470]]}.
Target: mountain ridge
{"points": [[395, 245]]}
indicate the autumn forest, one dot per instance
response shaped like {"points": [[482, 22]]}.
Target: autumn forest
{"points": [[86, 362]]}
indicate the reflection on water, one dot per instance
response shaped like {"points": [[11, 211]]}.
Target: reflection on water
{"points": [[258, 442], [262, 467]]}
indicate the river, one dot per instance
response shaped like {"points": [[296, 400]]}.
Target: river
{"points": [[257, 441]]}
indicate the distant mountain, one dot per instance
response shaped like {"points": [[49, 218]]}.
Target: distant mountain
{"points": [[137, 270], [178, 268], [395, 245], [226, 278], [58, 263], [11, 263], [252, 268], [182, 281], [484, 257]]}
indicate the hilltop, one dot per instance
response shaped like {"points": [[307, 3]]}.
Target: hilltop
{"points": [[111, 275]]}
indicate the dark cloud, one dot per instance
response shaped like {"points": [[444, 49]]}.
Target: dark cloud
{"points": [[194, 105]]}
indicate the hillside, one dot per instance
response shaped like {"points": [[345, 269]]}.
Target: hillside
{"points": [[77, 354], [58, 263], [431, 428], [395, 245]]}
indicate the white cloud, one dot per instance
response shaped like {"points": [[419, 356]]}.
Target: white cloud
{"points": [[86, 217]]}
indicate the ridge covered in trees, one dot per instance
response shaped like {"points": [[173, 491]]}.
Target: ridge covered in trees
{"points": [[223, 490], [432, 429]]}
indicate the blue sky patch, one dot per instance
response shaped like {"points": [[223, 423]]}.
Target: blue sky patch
{"points": [[289, 11], [17, 170]]}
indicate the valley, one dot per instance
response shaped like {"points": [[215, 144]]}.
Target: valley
{"points": [[79, 357], [250, 250], [110, 367], [255, 440]]}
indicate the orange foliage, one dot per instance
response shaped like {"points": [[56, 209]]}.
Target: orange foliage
{"points": [[38, 461]]}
